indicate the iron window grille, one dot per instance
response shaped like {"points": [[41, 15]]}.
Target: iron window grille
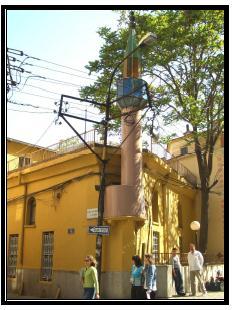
{"points": [[12, 256], [47, 256], [156, 247]]}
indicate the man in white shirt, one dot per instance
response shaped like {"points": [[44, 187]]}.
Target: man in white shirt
{"points": [[195, 261]]}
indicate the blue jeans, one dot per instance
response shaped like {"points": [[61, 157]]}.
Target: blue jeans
{"points": [[89, 293], [178, 282]]}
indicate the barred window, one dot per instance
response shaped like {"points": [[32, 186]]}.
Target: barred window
{"points": [[47, 255], [12, 256], [156, 246]]}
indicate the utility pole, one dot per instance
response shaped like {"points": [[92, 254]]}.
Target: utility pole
{"points": [[103, 158]]}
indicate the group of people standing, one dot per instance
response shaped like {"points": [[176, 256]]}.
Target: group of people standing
{"points": [[143, 278], [195, 262]]}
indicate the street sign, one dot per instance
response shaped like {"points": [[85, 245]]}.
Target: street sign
{"points": [[92, 213], [101, 230]]}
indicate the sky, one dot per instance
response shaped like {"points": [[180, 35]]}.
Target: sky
{"points": [[51, 38], [67, 38]]}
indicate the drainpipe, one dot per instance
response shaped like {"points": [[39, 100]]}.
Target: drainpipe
{"points": [[164, 216], [23, 223]]}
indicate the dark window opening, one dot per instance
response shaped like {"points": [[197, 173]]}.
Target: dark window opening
{"points": [[24, 161], [184, 150], [180, 221], [155, 208], [31, 211]]}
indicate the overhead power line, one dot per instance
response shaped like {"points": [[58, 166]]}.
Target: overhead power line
{"points": [[23, 111], [29, 105], [41, 136], [21, 53], [71, 74]]}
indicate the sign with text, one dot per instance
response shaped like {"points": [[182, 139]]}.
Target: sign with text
{"points": [[92, 213], [101, 230]]}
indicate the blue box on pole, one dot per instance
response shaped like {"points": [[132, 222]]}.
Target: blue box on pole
{"points": [[131, 93]]}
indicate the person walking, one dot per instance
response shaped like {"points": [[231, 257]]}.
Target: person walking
{"points": [[136, 278], [150, 283], [90, 279], [176, 273], [195, 261]]}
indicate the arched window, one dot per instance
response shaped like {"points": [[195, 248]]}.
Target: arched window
{"points": [[31, 210]]}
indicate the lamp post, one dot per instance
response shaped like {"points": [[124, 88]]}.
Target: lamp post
{"points": [[146, 40], [195, 226]]}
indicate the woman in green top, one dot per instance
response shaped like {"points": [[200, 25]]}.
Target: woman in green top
{"points": [[90, 279]]}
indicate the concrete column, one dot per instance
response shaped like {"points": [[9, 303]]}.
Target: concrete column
{"points": [[131, 150]]}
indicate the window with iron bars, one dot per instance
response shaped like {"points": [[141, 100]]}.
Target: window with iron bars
{"points": [[47, 255], [156, 246], [12, 256]]}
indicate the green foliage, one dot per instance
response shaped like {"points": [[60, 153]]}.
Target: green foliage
{"points": [[187, 64]]}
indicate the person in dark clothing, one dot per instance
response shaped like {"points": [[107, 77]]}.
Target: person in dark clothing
{"points": [[176, 273]]}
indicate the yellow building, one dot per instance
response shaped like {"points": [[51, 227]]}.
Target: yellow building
{"points": [[51, 204], [183, 153]]}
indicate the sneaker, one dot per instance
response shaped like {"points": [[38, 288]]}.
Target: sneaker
{"points": [[204, 293]]}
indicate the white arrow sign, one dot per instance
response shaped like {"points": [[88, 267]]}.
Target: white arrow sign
{"points": [[101, 230]]}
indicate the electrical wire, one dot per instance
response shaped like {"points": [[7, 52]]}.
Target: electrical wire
{"points": [[29, 105], [29, 111], [71, 74], [42, 135], [47, 61], [49, 80]]}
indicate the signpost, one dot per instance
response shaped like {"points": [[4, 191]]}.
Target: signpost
{"points": [[99, 230]]}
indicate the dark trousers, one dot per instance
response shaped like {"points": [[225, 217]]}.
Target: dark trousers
{"points": [[89, 293], [178, 281], [137, 292], [152, 294]]}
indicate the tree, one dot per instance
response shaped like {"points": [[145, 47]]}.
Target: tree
{"points": [[187, 64]]}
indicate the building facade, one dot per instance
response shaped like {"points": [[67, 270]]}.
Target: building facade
{"points": [[183, 153], [51, 205]]}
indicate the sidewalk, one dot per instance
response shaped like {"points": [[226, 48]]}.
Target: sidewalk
{"points": [[209, 295]]}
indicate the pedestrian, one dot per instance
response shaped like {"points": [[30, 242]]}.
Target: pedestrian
{"points": [[195, 261], [136, 278], [150, 283], [176, 273], [90, 279]]}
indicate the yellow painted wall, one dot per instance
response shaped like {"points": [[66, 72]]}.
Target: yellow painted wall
{"points": [[76, 176], [16, 149]]}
